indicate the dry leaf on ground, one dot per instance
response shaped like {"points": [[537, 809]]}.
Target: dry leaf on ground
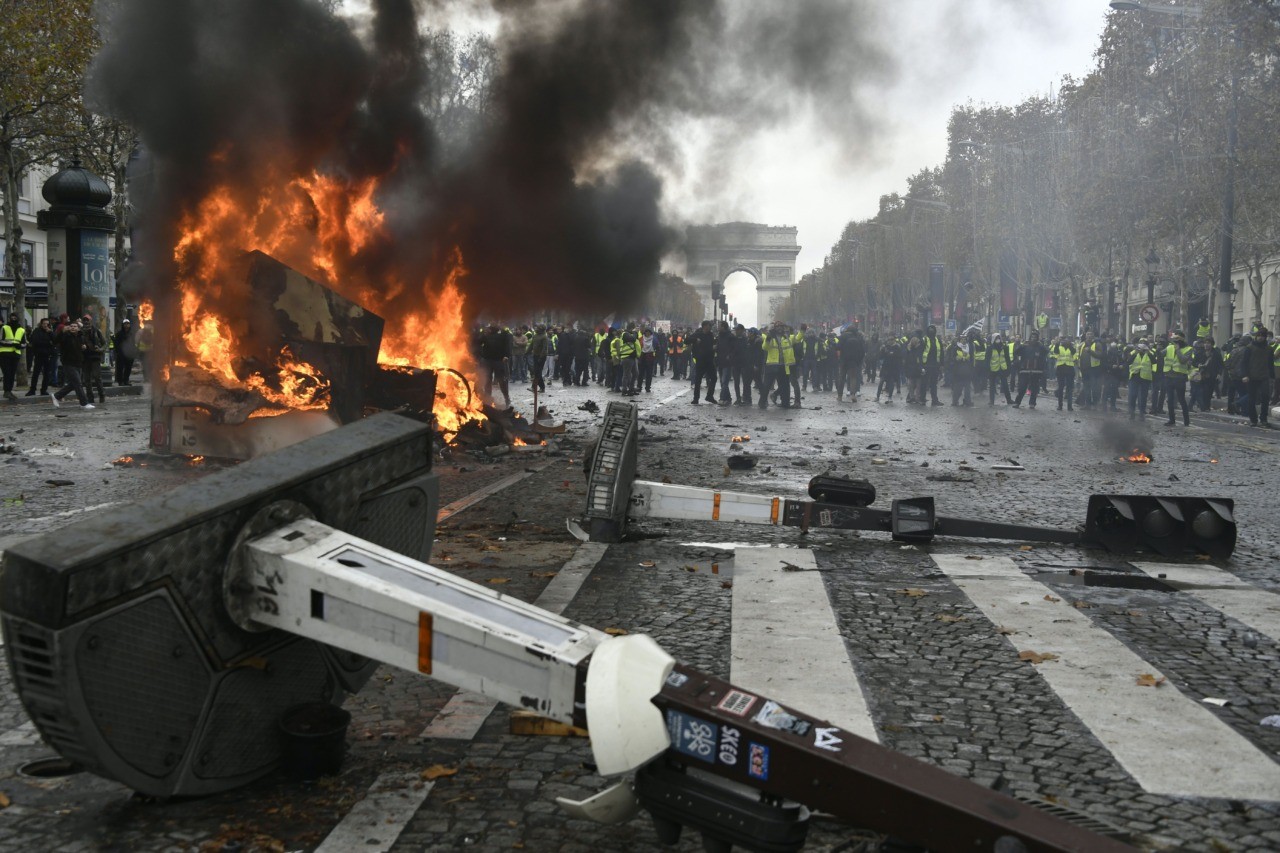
{"points": [[499, 580], [648, 564], [1051, 599], [1027, 548], [1036, 657], [1149, 680], [1081, 605], [543, 574], [615, 632], [438, 771], [1006, 631], [912, 592]]}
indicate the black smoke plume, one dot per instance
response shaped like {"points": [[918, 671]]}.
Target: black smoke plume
{"points": [[548, 205]]}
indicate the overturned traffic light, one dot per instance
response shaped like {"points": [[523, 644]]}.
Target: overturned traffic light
{"points": [[1169, 526]]}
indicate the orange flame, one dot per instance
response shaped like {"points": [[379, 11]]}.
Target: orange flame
{"points": [[146, 310], [318, 225], [1138, 457]]}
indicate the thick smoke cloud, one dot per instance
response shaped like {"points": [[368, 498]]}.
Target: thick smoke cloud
{"points": [[555, 203]]}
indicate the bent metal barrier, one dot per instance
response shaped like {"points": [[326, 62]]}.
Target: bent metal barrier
{"points": [[1166, 525], [157, 644]]}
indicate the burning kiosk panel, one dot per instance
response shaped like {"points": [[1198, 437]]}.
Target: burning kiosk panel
{"points": [[125, 658]]}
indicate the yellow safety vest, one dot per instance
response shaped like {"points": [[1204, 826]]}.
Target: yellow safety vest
{"points": [[772, 351], [1172, 363], [1141, 367], [12, 339], [1064, 355], [999, 361]]}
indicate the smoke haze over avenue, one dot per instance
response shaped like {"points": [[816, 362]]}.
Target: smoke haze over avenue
{"points": [[612, 124]]}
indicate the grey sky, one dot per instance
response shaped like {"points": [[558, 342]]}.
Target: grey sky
{"points": [[801, 172]]}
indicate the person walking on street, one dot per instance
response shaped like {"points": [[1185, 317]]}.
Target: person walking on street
{"points": [[495, 358], [95, 345], [71, 347]]}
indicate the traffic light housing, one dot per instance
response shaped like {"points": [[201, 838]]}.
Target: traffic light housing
{"points": [[1169, 526], [715, 291]]}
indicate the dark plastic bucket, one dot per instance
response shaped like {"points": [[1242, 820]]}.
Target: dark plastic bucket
{"points": [[313, 739]]}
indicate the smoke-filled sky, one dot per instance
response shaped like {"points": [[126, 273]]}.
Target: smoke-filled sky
{"points": [[817, 162], [613, 124]]}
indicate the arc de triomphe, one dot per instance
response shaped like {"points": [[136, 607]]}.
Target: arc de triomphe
{"points": [[768, 252]]}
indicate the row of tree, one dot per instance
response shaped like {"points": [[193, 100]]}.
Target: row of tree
{"points": [[1067, 197]]}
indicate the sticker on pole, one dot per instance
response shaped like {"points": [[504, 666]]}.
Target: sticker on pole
{"points": [[693, 737], [1149, 313], [737, 702], [772, 716], [758, 762]]}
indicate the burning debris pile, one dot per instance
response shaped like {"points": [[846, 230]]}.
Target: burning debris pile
{"points": [[315, 143]]}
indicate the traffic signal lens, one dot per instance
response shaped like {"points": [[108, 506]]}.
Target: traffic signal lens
{"points": [[1207, 524], [1157, 523]]}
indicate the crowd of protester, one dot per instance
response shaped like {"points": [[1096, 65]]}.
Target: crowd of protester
{"points": [[68, 355], [733, 365]]}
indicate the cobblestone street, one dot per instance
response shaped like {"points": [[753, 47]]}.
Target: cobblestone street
{"points": [[936, 636]]}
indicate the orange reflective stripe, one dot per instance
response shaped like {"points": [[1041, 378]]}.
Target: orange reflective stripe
{"points": [[715, 508], [773, 512], [424, 642]]}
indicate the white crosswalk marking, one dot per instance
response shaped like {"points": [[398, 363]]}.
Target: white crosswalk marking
{"points": [[785, 643], [374, 823], [1169, 743], [1223, 591]]}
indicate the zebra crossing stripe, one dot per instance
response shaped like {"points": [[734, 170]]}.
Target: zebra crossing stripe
{"points": [[1223, 591], [785, 642], [1170, 744]]}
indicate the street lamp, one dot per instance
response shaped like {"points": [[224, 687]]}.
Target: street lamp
{"points": [[1153, 266]]}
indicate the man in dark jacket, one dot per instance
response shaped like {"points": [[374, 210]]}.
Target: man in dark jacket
{"points": [[931, 361], [43, 354], [71, 347], [1256, 371], [852, 350], [1031, 359], [126, 351], [95, 347], [702, 348], [495, 361]]}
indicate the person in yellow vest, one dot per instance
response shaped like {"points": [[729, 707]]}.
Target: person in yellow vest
{"points": [[1063, 354], [1275, 364], [1203, 329], [797, 346], [960, 366], [628, 352], [13, 340], [1177, 367], [1141, 372], [776, 344], [998, 370], [981, 376]]}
